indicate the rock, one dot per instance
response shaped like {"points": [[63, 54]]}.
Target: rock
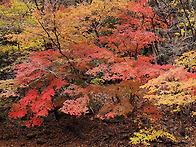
{"points": [[51, 137], [22, 144], [30, 135], [47, 132], [41, 141]]}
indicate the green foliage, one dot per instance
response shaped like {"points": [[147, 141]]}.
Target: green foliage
{"points": [[147, 135]]}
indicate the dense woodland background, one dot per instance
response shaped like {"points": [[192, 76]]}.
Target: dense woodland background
{"points": [[98, 73]]}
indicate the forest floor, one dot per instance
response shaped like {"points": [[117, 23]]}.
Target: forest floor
{"points": [[68, 131], [82, 132]]}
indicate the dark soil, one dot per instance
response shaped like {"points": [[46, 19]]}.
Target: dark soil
{"points": [[68, 131]]}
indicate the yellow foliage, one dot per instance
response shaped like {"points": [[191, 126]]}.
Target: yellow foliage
{"points": [[73, 24], [14, 19], [97, 81], [185, 16], [7, 48], [188, 61], [8, 88], [171, 88], [144, 136], [193, 113], [174, 3]]}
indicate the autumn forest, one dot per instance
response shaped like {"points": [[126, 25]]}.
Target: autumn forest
{"points": [[98, 73]]}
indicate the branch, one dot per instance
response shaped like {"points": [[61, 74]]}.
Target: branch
{"points": [[57, 43]]}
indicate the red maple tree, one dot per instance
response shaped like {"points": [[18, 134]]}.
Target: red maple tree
{"points": [[115, 57]]}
